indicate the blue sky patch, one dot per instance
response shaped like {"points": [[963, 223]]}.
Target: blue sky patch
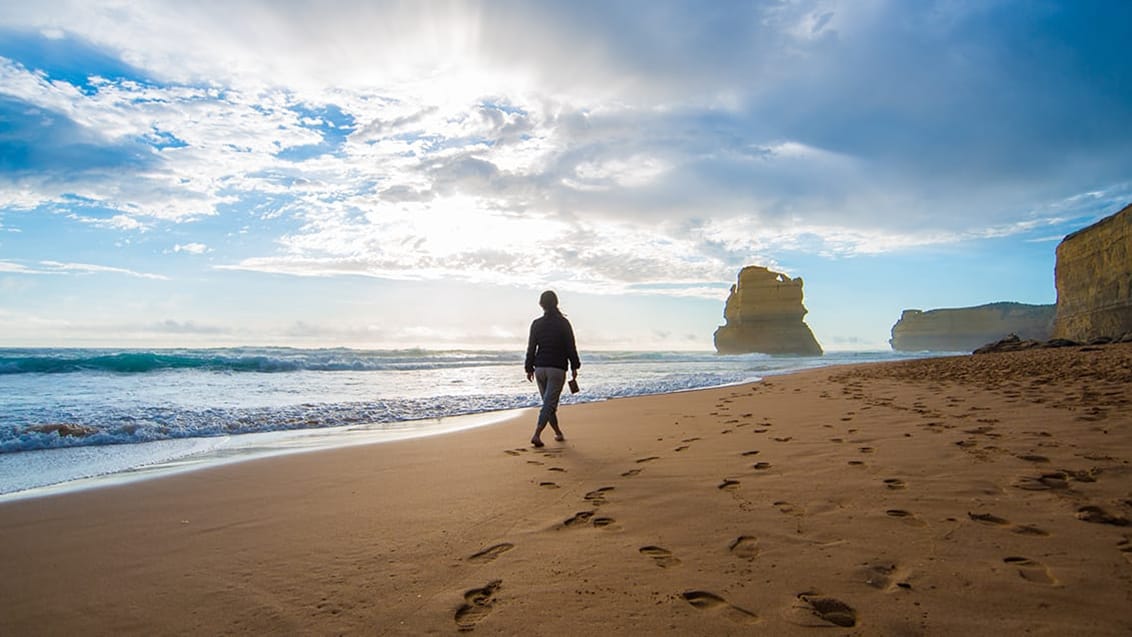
{"points": [[330, 122], [36, 140], [70, 58]]}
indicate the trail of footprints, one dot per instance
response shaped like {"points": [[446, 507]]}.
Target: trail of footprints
{"points": [[827, 611], [812, 608]]}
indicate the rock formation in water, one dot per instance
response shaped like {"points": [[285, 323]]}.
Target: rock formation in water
{"points": [[764, 314], [1093, 276], [966, 328]]}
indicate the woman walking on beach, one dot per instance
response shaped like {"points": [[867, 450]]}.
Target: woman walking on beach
{"points": [[550, 352]]}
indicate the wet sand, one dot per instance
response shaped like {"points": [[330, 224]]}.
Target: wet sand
{"points": [[979, 495]]}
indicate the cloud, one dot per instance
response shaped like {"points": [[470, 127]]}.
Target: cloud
{"points": [[170, 326], [191, 248], [16, 268], [56, 267], [620, 147], [115, 222]]}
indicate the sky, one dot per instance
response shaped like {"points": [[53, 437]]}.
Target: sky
{"points": [[413, 174]]}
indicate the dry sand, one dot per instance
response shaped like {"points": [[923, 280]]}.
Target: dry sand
{"points": [[971, 495]]}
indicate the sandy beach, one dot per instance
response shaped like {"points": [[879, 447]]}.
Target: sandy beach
{"points": [[972, 495]]}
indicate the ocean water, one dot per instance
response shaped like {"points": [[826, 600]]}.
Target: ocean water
{"points": [[76, 417]]}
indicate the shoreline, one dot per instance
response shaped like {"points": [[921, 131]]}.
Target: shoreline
{"points": [[131, 462], [218, 451], [939, 496]]}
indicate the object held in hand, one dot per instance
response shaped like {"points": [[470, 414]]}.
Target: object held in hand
{"points": [[573, 386]]}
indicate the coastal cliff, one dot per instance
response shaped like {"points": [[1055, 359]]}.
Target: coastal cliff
{"points": [[1093, 276], [764, 314], [966, 328]]}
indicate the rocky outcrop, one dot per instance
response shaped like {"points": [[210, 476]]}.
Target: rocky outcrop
{"points": [[764, 314], [1014, 344], [1093, 276], [963, 329]]}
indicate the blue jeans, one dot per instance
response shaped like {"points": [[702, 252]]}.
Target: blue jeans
{"points": [[550, 382]]}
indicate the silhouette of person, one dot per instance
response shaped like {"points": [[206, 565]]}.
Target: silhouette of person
{"points": [[550, 352]]}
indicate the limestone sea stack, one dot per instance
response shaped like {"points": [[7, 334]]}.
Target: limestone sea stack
{"points": [[764, 315], [1093, 276], [962, 329]]}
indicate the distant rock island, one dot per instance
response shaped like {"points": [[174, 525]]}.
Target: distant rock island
{"points": [[966, 328], [764, 315], [1093, 276]]}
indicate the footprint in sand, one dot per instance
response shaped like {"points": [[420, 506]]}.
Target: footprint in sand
{"points": [[716, 604], [511, 452], [648, 459], [1125, 548], [597, 496], [989, 519], [1032, 571], [882, 576], [907, 517], [1098, 515], [693, 439], [1029, 529], [579, 518], [630, 473], [866, 449], [745, 547], [783, 439], [535, 462], [784, 506], [559, 469], [605, 523], [894, 484], [477, 605], [662, 556], [728, 484], [856, 463], [812, 611], [753, 452], [490, 553], [1044, 482], [761, 466], [681, 448], [1083, 475], [548, 485], [1034, 458]]}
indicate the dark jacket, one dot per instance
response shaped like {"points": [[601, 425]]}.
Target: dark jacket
{"points": [[551, 343]]}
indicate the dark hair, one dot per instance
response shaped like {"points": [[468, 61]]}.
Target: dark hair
{"points": [[548, 301]]}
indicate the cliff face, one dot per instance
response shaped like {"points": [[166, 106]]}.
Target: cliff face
{"points": [[764, 314], [966, 328], [1093, 276]]}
